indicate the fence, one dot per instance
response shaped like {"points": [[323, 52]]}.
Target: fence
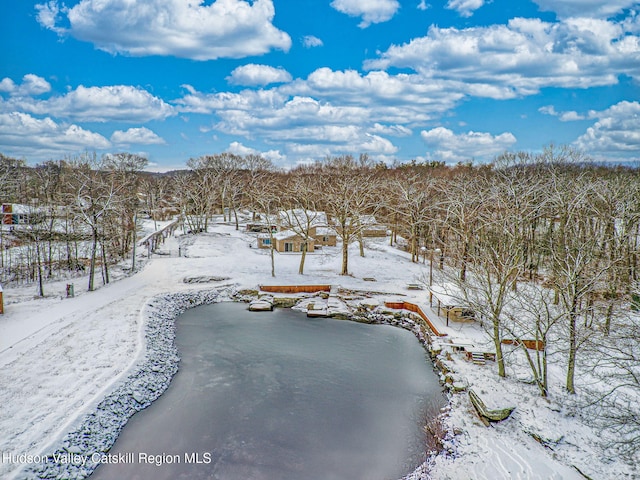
{"points": [[152, 241]]}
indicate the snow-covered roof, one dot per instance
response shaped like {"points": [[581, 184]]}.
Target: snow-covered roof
{"points": [[284, 234]]}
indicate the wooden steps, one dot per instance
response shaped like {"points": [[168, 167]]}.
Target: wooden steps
{"points": [[478, 358]]}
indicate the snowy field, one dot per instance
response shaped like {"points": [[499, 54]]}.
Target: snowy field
{"points": [[60, 357]]}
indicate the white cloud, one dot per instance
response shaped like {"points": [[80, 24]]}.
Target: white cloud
{"points": [[465, 7], [423, 5], [585, 8], [181, 28], [548, 110], [258, 100], [295, 120], [395, 130], [23, 135], [569, 116], [309, 41], [383, 94], [48, 15], [617, 131], [371, 11], [376, 144], [338, 111], [31, 85], [521, 57], [335, 98], [252, 75], [452, 147], [308, 153], [97, 104], [238, 148], [137, 136]]}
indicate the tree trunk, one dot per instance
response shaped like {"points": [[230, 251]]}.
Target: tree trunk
{"points": [[39, 265], [345, 257], [302, 258], [498, 344], [465, 260], [607, 321], [92, 264], [105, 266], [414, 246], [273, 260], [571, 367]]}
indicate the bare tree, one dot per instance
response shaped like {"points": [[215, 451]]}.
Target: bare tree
{"points": [[125, 169], [574, 255], [494, 262], [534, 317], [196, 192], [411, 198], [224, 170], [95, 195], [464, 204], [264, 191], [349, 191], [302, 216], [613, 406]]}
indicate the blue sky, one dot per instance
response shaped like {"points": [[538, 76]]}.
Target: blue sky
{"points": [[297, 81]]}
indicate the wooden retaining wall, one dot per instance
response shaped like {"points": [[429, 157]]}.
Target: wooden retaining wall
{"points": [[295, 288], [412, 307]]}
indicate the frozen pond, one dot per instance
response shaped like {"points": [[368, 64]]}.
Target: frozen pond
{"points": [[276, 395]]}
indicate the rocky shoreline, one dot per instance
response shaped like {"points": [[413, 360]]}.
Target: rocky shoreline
{"points": [[81, 451]]}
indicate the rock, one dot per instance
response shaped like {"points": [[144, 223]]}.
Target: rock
{"points": [[138, 397], [284, 302], [458, 387]]}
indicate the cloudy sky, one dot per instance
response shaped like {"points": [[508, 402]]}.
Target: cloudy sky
{"points": [[300, 80]]}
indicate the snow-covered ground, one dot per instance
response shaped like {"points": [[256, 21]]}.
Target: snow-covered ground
{"points": [[60, 357]]}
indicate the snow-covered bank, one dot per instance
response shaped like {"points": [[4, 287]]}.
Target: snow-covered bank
{"points": [[60, 357], [82, 450]]}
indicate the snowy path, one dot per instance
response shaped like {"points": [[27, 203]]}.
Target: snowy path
{"points": [[60, 360]]}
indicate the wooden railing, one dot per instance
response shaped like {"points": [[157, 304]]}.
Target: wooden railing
{"points": [[153, 240], [412, 307]]}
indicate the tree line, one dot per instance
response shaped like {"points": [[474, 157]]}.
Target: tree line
{"points": [[541, 247], [552, 219]]}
